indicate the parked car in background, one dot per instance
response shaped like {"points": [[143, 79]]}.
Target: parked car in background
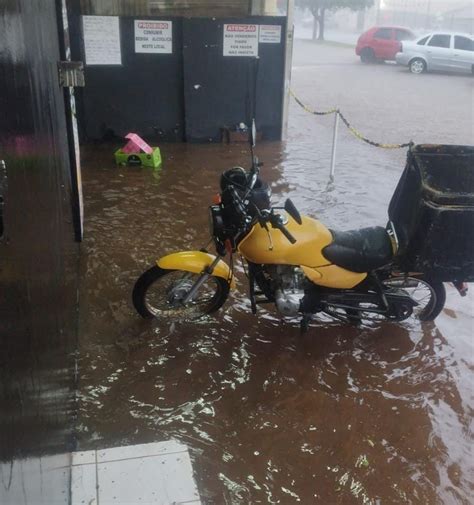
{"points": [[382, 43], [438, 51]]}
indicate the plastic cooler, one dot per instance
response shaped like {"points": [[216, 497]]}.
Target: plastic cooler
{"points": [[433, 212]]}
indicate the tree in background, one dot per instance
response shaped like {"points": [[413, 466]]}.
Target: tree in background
{"points": [[318, 9]]}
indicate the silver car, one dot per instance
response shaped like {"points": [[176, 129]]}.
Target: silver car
{"points": [[438, 51]]}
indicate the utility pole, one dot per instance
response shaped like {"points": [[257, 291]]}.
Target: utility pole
{"points": [[428, 16], [290, 6], [377, 15], [360, 20]]}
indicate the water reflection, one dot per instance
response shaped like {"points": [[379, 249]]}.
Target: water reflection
{"points": [[339, 415]]}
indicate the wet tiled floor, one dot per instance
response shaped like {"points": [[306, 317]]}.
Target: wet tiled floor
{"points": [[158, 473]]}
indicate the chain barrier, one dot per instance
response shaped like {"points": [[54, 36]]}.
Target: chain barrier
{"points": [[307, 109], [354, 132]]}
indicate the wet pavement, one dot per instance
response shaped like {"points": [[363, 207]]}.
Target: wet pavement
{"points": [[339, 415]]}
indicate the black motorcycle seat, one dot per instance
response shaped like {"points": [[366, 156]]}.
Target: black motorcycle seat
{"points": [[360, 250]]}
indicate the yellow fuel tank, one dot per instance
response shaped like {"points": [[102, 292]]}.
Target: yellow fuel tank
{"points": [[311, 237]]}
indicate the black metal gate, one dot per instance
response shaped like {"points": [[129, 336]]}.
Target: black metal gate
{"points": [[219, 90], [190, 93], [143, 95]]}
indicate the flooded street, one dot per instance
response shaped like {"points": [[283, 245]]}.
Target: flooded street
{"points": [[340, 415]]}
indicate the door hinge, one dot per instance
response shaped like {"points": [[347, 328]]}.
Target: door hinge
{"points": [[3, 190], [71, 74]]}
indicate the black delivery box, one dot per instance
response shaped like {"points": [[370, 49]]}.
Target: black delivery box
{"points": [[432, 210]]}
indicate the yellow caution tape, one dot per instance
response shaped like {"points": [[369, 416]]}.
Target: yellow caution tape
{"points": [[354, 132]]}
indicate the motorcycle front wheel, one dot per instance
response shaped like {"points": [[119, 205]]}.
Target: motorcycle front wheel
{"points": [[159, 293]]}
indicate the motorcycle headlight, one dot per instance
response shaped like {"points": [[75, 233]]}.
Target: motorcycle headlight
{"points": [[216, 222]]}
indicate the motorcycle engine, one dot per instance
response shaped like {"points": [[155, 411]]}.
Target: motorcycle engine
{"points": [[288, 282]]}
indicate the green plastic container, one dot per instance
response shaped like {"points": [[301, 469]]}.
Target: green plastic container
{"points": [[152, 160]]}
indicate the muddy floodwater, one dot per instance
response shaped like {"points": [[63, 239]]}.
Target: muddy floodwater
{"points": [[342, 415]]}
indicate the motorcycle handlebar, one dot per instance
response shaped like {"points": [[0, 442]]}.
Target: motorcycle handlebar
{"points": [[253, 174], [287, 234], [276, 223], [238, 203], [241, 206]]}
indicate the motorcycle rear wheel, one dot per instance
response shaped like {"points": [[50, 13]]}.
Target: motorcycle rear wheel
{"points": [[158, 294], [428, 293]]}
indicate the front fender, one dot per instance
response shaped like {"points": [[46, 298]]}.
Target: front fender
{"points": [[195, 262]]}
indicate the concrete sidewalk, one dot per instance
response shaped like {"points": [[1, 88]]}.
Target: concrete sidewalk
{"points": [[159, 473]]}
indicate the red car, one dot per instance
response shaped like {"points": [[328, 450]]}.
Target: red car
{"points": [[382, 43]]}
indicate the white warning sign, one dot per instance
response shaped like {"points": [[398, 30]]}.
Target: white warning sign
{"points": [[270, 34], [102, 40], [153, 36], [240, 40]]}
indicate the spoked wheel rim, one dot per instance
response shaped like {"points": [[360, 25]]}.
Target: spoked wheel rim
{"points": [[164, 298], [417, 67], [417, 289]]}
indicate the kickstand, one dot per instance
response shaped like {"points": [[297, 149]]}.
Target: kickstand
{"points": [[304, 324], [380, 291], [253, 302]]}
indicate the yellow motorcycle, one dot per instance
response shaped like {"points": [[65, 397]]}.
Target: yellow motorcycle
{"points": [[292, 261]]}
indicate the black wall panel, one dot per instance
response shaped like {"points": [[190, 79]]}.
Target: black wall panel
{"points": [[187, 95], [143, 95], [218, 89], [38, 254]]}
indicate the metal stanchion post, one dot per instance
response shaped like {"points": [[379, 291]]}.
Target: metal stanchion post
{"points": [[334, 145]]}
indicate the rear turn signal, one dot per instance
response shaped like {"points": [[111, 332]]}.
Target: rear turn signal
{"points": [[461, 287], [216, 199]]}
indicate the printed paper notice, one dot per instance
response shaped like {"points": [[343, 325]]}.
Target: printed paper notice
{"points": [[240, 40], [270, 34], [102, 40], [153, 36]]}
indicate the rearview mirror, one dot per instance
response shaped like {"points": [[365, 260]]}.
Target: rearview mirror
{"points": [[253, 133], [293, 211]]}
